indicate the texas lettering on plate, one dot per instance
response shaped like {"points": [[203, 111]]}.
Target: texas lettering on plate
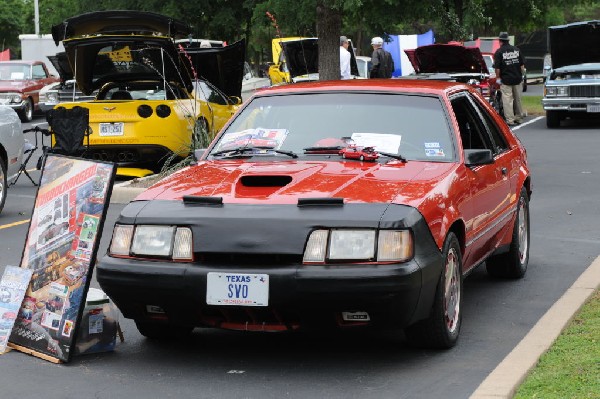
{"points": [[237, 289]]}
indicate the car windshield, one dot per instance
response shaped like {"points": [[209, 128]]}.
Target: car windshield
{"points": [[413, 126], [15, 71]]}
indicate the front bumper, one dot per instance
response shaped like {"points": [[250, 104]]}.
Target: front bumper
{"points": [[571, 104], [16, 106], [298, 294], [45, 107]]}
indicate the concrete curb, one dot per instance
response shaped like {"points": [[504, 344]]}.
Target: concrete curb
{"points": [[506, 378]]}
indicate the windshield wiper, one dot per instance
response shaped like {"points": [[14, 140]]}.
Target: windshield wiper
{"points": [[240, 151], [323, 150], [395, 156]]}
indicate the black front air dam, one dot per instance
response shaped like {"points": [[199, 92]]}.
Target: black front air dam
{"points": [[226, 235]]}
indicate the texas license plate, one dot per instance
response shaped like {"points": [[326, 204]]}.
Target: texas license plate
{"points": [[237, 289], [593, 108], [111, 129]]}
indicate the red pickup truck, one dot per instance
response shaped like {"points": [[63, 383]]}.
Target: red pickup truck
{"points": [[20, 85]]}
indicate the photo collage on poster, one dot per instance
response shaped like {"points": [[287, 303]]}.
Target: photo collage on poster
{"points": [[65, 227]]}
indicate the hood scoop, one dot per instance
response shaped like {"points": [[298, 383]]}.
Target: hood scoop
{"points": [[260, 186], [265, 181]]}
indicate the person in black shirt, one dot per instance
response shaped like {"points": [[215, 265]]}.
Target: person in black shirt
{"points": [[382, 63], [509, 65]]}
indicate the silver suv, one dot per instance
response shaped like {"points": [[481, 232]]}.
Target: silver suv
{"points": [[11, 148], [572, 86]]}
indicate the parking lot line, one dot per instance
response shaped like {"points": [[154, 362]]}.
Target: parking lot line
{"points": [[6, 226]]}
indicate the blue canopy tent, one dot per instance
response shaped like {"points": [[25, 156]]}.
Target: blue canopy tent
{"points": [[399, 43]]}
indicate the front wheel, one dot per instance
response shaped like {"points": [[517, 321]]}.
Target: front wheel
{"points": [[552, 119], [441, 329], [26, 114], [513, 264]]}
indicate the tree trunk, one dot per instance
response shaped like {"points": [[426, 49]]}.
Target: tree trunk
{"points": [[329, 25]]}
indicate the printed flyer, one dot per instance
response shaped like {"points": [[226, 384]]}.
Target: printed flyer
{"points": [[60, 251], [13, 284]]}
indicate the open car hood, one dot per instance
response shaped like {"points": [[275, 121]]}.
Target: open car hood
{"points": [[301, 56], [97, 60], [575, 43], [61, 63], [118, 22], [221, 66], [447, 58]]}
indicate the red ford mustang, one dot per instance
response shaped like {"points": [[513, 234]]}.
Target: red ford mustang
{"points": [[279, 237]]}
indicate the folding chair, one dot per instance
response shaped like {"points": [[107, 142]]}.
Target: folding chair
{"points": [[69, 128], [28, 150]]}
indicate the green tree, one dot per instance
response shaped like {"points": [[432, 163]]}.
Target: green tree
{"points": [[11, 21]]}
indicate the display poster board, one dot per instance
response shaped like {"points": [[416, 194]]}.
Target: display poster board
{"points": [[60, 250], [13, 284]]}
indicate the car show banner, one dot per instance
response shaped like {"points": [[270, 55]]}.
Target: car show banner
{"points": [[60, 251]]}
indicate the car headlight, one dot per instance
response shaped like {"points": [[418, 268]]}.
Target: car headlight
{"points": [[352, 244], [52, 97], [359, 245], [556, 91], [152, 241], [11, 98]]}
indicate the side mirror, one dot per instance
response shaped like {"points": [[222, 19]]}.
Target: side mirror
{"points": [[248, 76], [478, 157]]}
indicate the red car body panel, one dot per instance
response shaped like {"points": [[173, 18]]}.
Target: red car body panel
{"points": [[443, 192]]}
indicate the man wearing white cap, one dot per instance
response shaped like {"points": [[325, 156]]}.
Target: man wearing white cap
{"points": [[382, 64]]}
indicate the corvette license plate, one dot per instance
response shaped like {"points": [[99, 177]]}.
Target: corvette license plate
{"points": [[593, 108], [111, 129], [237, 289]]}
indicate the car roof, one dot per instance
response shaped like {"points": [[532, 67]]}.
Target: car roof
{"points": [[21, 62], [433, 87]]}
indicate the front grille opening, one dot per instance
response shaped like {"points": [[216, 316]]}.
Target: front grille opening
{"points": [[245, 260]]}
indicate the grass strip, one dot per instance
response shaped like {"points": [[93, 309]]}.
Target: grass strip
{"points": [[571, 367]]}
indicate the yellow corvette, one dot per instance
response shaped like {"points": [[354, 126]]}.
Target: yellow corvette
{"points": [[148, 108]]}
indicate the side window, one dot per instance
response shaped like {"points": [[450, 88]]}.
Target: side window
{"points": [[500, 143], [38, 72], [472, 131]]}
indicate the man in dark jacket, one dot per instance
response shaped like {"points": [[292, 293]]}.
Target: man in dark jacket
{"points": [[509, 65], [382, 64]]}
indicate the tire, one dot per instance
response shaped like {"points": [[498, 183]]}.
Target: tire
{"points": [[513, 264], [26, 114], [552, 119], [441, 329], [3, 183], [165, 330]]}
